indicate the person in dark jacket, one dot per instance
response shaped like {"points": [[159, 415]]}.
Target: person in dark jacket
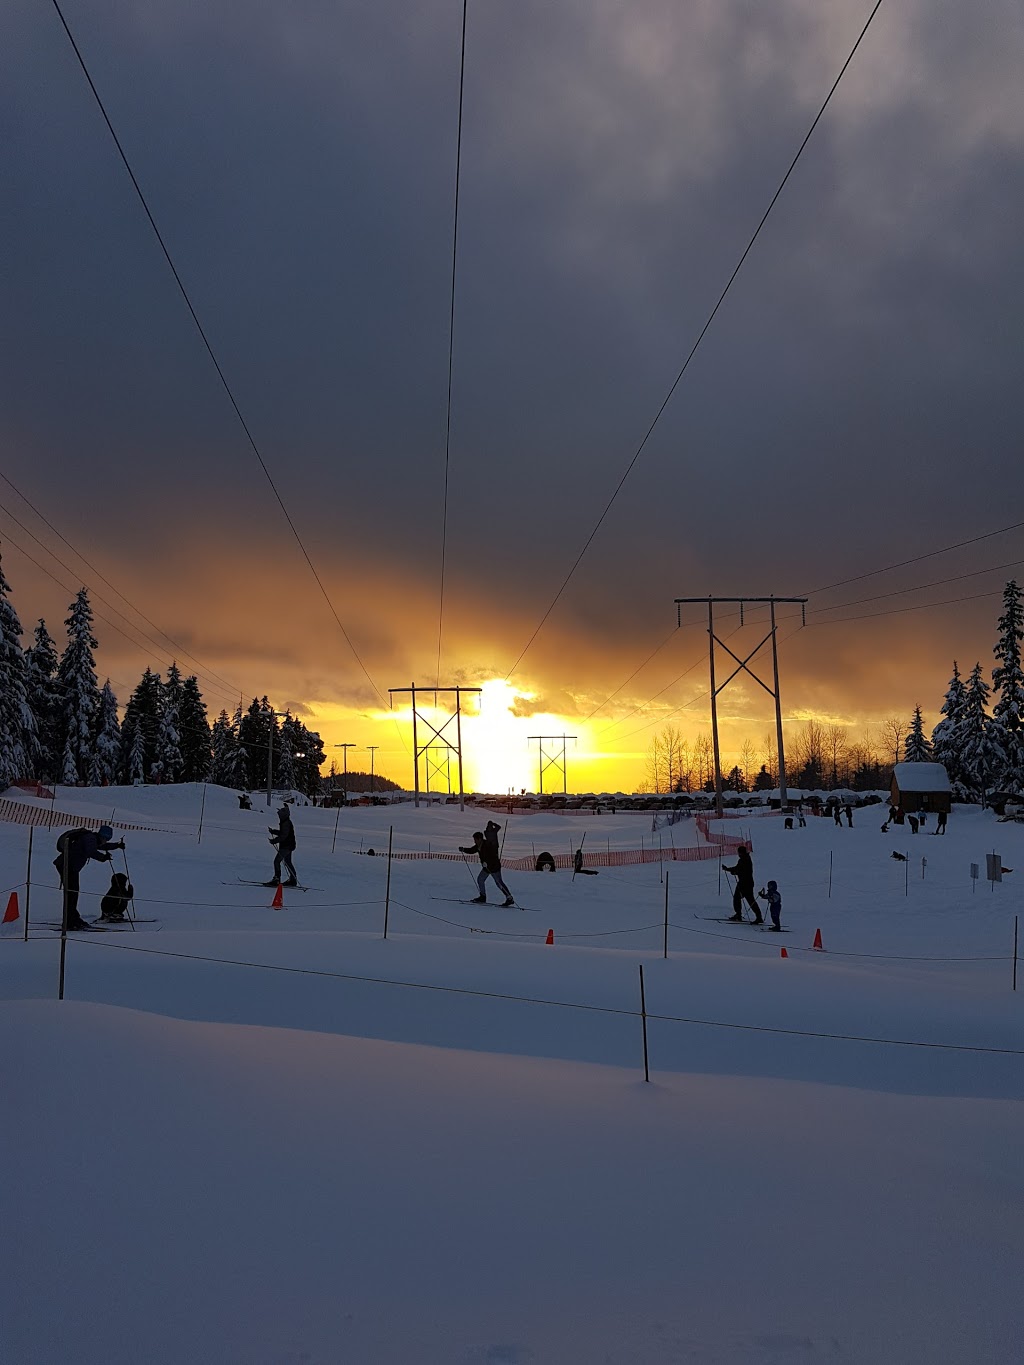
{"points": [[773, 896], [74, 849], [485, 845], [115, 902], [283, 839], [743, 871]]}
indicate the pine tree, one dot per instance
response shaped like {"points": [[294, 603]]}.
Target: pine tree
{"points": [[140, 728], [257, 731], [291, 746], [168, 742], [195, 733], [44, 699], [225, 762], [947, 737], [978, 755], [80, 696], [17, 723], [916, 746], [107, 754], [1007, 727]]}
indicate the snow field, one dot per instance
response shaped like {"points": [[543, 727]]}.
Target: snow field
{"points": [[261, 1166]]}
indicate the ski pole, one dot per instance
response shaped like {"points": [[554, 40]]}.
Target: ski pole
{"points": [[124, 855]]}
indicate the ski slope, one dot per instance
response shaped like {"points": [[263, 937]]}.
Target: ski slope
{"points": [[267, 1137]]}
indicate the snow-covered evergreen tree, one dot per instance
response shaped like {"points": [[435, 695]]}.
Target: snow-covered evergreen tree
{"points": [[168, 745], [916, 746], [195, 733], [17, 723], [257, 728], [140, 728], [107, 755], [978, 755], [947, 737], [44, 698], [225, 757], [80, 695], [1007, 726]]}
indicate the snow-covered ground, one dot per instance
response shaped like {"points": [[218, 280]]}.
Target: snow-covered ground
{"points": [[270, 1137]]}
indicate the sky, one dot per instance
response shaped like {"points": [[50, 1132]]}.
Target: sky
{"points": [[854, 404]]}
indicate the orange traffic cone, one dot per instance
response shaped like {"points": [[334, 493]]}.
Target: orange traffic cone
{"points": [[11, 913], [551, 936], [783, 953], [278, 902], [817, 944]]}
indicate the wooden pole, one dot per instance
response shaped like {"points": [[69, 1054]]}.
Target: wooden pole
{"points": [[387, 890], [643, 1016]]}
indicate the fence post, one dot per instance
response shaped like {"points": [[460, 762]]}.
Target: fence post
{"points": [[28, 880], [665, 950], [643, 1016], [1015, 952], [202, 812], [830, 874], [387, 889]]}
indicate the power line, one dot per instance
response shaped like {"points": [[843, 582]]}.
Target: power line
{"points": [[451, 343], [696, 344], [181, 650], [210, 351], [936, 583], [931, 554], [229, 688]]}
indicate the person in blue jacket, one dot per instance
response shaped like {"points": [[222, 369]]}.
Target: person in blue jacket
{"points": [[75, 847]]}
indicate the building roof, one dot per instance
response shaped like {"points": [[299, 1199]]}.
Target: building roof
{"points": [[921, 777]]}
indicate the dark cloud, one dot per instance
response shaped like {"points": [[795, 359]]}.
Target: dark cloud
{"points": [[848, 409]]}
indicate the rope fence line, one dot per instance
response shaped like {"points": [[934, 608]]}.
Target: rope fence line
{"points": [[16, 813], [569, 1004]]}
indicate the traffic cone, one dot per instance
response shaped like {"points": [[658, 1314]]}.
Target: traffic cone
{"points": [[817, 944], [551, 936], [783, 953], [278, 902], [11, 913]]}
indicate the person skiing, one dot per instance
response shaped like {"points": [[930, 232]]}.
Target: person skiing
{"points": [[577, 865], [283, 839], [774, 898], [485, 845], [74, 849], [743, 871], [941, 826], [115, 902]]}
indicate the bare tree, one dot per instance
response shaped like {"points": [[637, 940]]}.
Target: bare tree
{"points": [[748, 758], [770, 758], [835, 749], [894, 730], [703, 760]]}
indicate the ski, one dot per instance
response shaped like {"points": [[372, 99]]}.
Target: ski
{"points": [[269, 886], [125, 928], [488, 905], [726, 919]]}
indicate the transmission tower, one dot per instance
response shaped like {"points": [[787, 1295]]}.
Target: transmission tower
{"points": [[553, 758], [438, 733], [742, 666]]}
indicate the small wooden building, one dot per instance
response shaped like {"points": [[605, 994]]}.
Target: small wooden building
{"points": [[920, 787]]}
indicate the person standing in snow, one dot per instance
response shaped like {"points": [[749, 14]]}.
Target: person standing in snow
{"points": [[115, 903], [774, 898], [941, 826], [485, 846], [74, 849], [743, 871], [283, 839]]}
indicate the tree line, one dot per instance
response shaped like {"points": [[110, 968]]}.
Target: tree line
{"points": [[982, 750], [58, 725]]}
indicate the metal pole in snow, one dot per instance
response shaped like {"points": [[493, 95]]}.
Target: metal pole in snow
{"points": [[665, 949], [830, 874], [643, 1016], [1015, 952], [336, 819], [387, 889], [28, 880], [202, 811]]}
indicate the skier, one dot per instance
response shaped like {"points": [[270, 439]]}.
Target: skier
{"points": [[485, 845], [283, 839], [743, 871], [243, 801], [774, 898], [115, 902], [74, 849], [577, 865], [941, 826], [849, 814], [837, 814]]}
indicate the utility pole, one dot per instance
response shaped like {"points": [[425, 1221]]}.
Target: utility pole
{"points": [[555, 758], [742, 666], [372, 748], [270, 754], [344, 788], [437, 732]]}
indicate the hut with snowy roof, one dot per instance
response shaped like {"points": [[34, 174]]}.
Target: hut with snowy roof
{"points": [[920, 787]]}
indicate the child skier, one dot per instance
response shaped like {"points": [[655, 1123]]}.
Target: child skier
{"points": [[485, 846], [115, 902], [774, 898]]}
